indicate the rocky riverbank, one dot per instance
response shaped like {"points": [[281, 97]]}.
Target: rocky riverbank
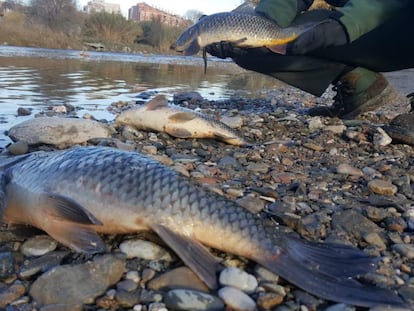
{"points": [[324, 178]]}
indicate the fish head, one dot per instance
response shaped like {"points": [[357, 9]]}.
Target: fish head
{"points": [[188, 41]]}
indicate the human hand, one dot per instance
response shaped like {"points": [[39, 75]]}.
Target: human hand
{"points": [[327, 33], [224, 49]]}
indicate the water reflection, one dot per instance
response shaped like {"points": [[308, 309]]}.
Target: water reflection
{"points": [[39, 78]]}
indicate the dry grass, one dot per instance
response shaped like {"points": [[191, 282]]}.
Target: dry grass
{"points": [[16, 30]]}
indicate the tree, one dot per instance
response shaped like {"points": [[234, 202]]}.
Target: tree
{"points": [[110, 27], [193, 15], [59, 15]]}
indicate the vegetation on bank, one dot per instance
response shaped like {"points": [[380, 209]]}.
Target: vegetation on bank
{"points": [[58, 24]]}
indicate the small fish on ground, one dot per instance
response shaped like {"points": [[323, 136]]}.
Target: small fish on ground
{"points": [[158, 115], [74, 194]]}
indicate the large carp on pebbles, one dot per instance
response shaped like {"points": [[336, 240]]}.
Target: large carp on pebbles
{"points": [[74, 194]]}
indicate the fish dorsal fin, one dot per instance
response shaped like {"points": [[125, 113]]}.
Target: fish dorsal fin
{"points": [[65, 209], [192, 253], [182, 116], [157, 102]]}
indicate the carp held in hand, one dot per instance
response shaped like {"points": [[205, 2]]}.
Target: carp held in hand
{"points": [[77, 193], [241, 29]]}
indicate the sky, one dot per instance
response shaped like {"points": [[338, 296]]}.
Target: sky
{"points": [[179, 7]]}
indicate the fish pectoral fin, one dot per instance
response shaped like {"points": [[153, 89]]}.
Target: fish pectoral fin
{"points": [[192, 253], [179, 132], [182, 116], [193, 48], [157, 102], [66, 209], [78, 237]]}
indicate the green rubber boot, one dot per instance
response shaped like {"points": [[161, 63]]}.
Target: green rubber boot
{"points": [[360, 91]]}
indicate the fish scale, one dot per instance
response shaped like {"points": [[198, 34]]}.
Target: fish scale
{"points": [[74, 194]]}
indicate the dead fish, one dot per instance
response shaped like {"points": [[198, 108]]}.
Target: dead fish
{"points": [[74, 194], [158, 115], [241, 29]]}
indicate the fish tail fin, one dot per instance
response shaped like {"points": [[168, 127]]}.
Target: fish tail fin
{"points": [[327, 271]]}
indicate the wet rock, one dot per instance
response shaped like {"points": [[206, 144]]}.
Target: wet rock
{"points": [[238, 278], [144, 249], [181, 277], [38, 246], [192, 97], [184, 299], [382, 187], [79, 284], [11, 293], [7, 263], [22, 111], [235, 299], [20, 147], [58, 131], [347, 169]]}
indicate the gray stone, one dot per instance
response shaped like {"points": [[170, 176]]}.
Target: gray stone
{"points": [[42, 263], [144, 250], [79, 284], [238, 278], [340, 307], [184, 299], [38, 245], [58, 131], [62, 307], [235, 299], [127, 285], [347, 169]]}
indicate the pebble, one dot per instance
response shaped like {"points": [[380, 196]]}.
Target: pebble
{"points": [[383, 187], [268, 301], [78, 284], [21, 111], [263, 274], [12, 293], [144, 250], [315, 124], [381, 138], [238, 278], [233, 122], [181, 277], [184, 299], [17, 148], [406, 250], [127, 285], [133, 276], [341, 307], [235, 299], [42, 263], [373, 238], [347, 169], [252, 204], [336, 129], [58, 131], [38, 246]]}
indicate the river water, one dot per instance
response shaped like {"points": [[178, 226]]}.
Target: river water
{"points": [[40, 78]]}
